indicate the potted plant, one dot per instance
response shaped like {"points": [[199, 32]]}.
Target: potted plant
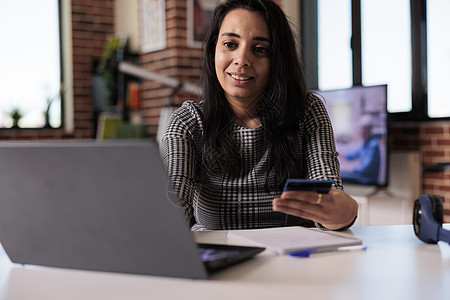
{"points": [[108, 68], [16, 114], [49, 101], [116, 50]]}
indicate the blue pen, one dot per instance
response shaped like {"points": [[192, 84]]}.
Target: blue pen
{"points": [[308, 252], [302, 253]]}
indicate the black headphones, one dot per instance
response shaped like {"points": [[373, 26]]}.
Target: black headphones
{"points": [[427, 220]]}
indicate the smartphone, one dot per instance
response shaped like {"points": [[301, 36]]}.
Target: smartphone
{"points": [[320, 186]]}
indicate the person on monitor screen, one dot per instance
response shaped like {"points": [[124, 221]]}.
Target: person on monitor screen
{"points": [[229, 155], [368, 155]]}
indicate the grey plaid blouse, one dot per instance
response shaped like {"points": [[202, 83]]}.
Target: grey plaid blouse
{"points": [[214, 200]]}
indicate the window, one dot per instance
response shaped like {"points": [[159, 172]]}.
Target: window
{"points": [[402, 43], [30, 60], [335, 54], [386, 49], [438, 57]]}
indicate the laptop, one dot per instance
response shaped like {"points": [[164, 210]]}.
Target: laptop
{"points": [[103, 206]]}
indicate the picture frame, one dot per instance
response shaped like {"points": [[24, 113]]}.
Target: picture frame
{"points": [[199, 15], [153, 25]]}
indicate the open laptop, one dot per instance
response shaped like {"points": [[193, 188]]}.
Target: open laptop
{"points": [[101, 206]]}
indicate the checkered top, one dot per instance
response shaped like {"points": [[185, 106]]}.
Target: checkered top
{"points": [[213, 199]]}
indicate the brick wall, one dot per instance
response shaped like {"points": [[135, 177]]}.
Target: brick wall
{"points": [[432, 140], [92, 24], [435, 148], [177, 60]]}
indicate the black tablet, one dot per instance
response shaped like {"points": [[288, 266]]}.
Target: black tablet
{"points": [[320, 186]]}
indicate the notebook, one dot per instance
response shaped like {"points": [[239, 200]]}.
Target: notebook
{"points": [[285, 240], [103, 206]]}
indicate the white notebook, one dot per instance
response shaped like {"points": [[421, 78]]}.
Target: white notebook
{"points": [[284, 240]]}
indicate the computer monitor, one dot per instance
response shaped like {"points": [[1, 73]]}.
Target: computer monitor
{"points": [[360, 124]]}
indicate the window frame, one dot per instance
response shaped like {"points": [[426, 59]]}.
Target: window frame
{"points": [[64, 33], [61, 18], [419, 100]]}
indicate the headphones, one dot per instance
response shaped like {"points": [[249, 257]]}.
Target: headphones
{"points": [[427, 220]]}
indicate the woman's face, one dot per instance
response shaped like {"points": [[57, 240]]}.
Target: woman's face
{"points": [[242, 58]]}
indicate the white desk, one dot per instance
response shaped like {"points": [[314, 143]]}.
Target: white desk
{"points": [[395, 266]]}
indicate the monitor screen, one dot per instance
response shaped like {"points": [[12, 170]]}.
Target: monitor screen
{"points": [[359, 119]]}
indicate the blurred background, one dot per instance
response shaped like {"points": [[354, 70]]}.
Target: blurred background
{"points": [[60, 75]]}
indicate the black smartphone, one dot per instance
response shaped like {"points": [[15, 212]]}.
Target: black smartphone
{"points": [[320, 186]]}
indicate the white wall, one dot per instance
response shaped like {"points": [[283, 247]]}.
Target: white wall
{"points": [[126, 23], [292, 10]]}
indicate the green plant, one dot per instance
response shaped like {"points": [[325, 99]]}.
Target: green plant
{"points": [[116, 50], [49, 101], [16, 113], [108, 67]]}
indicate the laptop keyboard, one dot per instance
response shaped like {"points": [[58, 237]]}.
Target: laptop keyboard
{"points": [[216, 257], [215, 254]]}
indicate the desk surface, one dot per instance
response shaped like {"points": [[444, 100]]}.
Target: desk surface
{"points": [[396, 265]]}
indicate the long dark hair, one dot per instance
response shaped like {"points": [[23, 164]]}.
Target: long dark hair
{"points": [[281, 104]]}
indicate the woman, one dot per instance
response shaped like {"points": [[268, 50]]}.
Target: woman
{"points": [[229, 155]]}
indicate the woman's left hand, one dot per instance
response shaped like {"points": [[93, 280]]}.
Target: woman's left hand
{"points": [[334, 210]]}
